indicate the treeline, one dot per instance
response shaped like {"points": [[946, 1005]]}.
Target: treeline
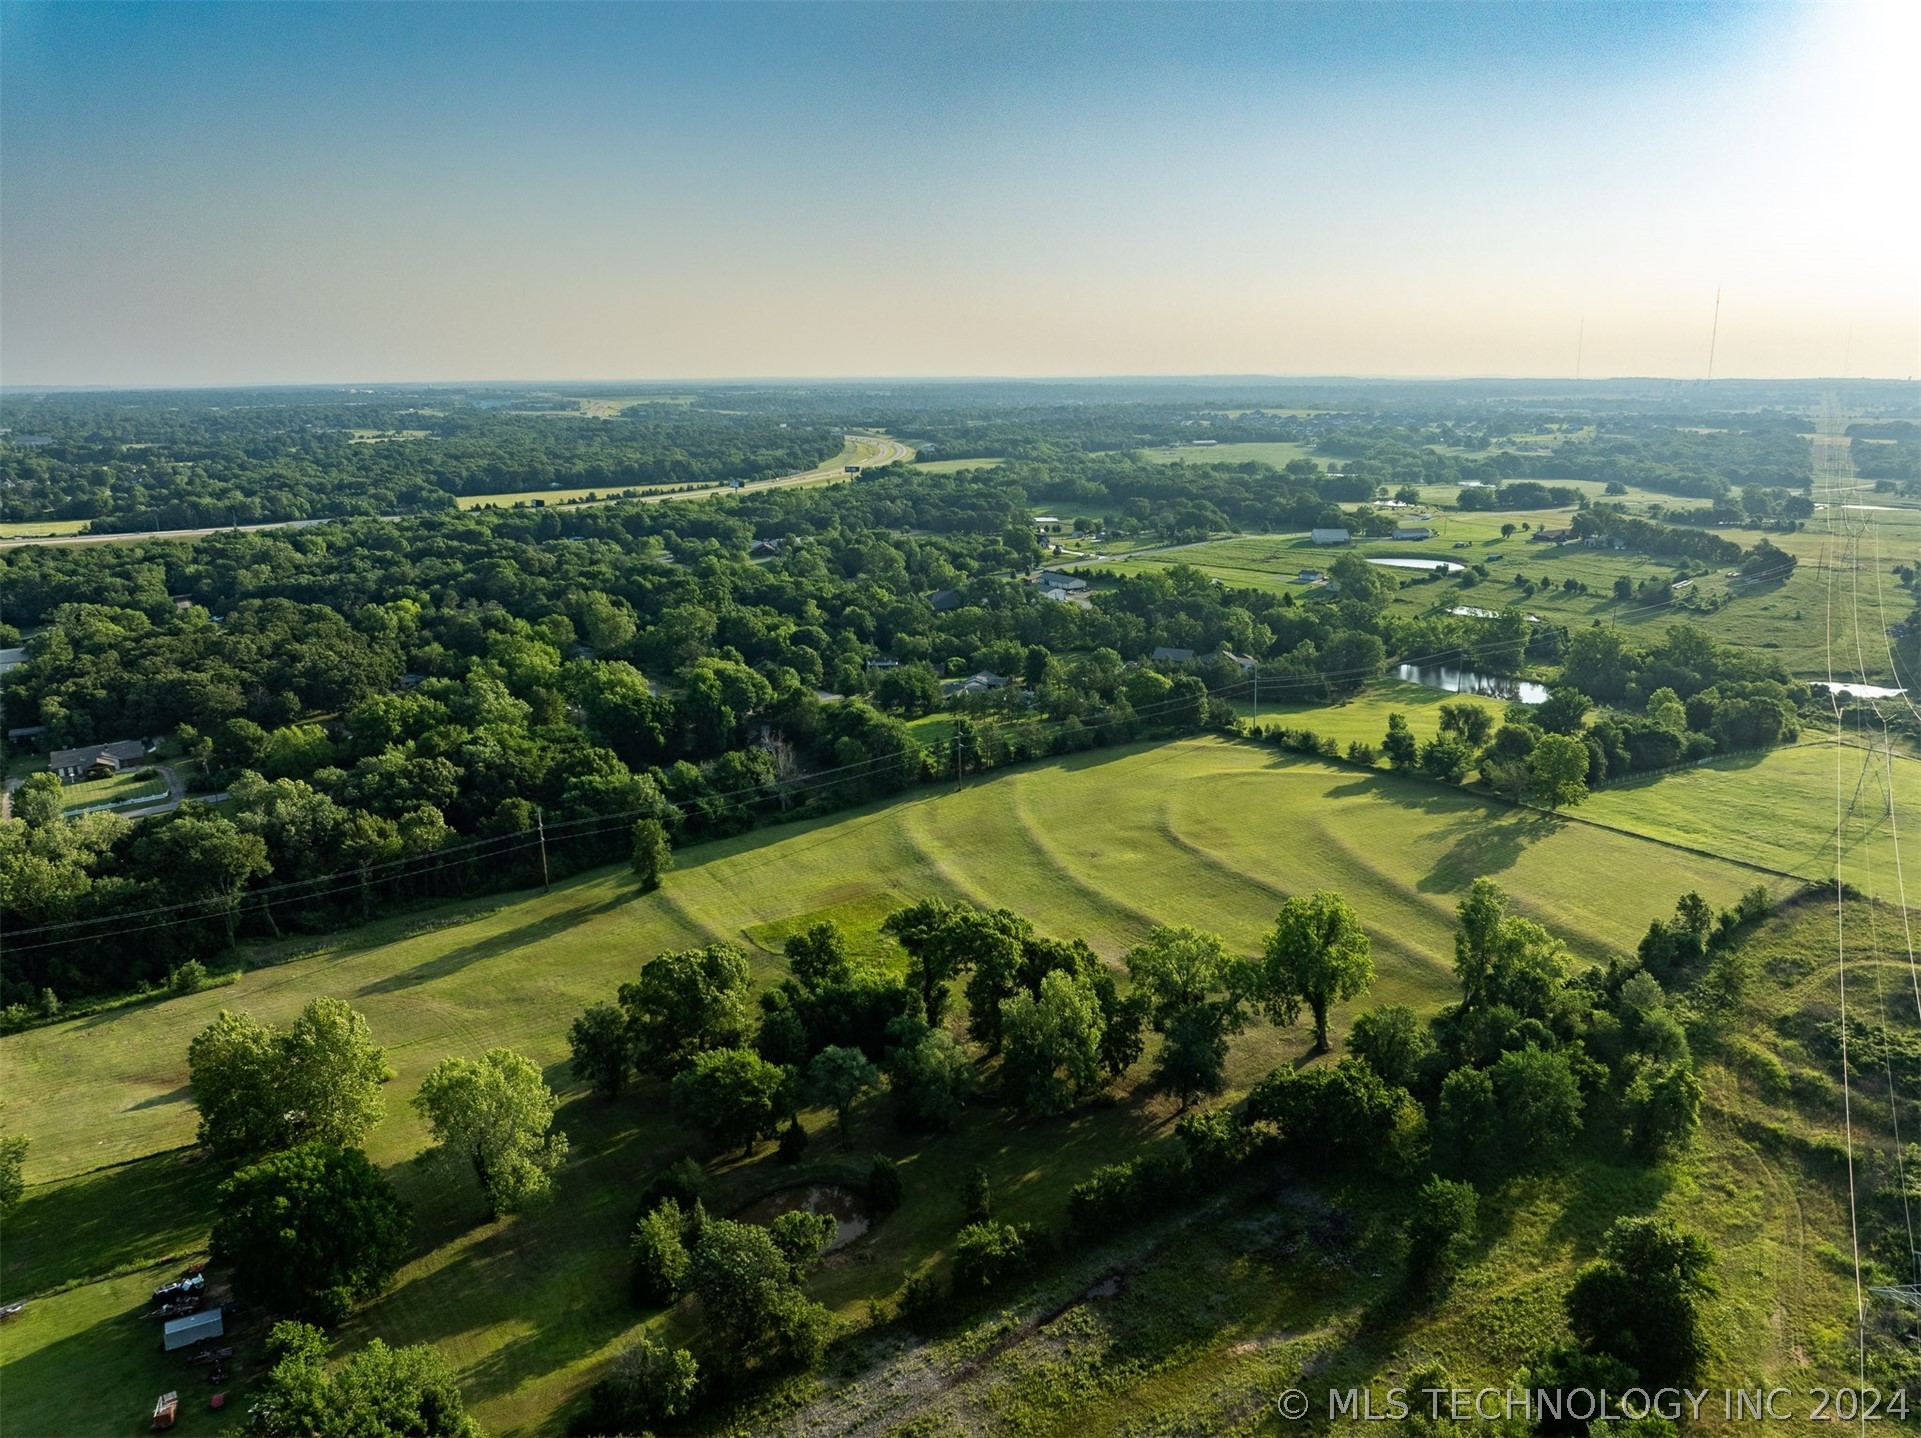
{"points": [[129, 466], [1683, 461]]}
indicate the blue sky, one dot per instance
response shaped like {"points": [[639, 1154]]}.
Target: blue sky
{"points": [[278, 193]]}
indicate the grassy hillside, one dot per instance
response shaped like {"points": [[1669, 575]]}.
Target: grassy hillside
{"points": [[1102, 845]]}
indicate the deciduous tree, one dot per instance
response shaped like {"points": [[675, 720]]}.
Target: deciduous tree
{"points": [[1317, 954], [310, 1232], [498, 1114]]}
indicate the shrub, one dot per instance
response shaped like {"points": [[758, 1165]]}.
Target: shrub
{"points": [[921, 1297], [987, 1255], [1439, 1231], [683, 1180], [189, 978], [1214, 1142], [884, 1184], [1361, 753], [1119, 1194], [977, 1196], [647, 1384], [660, 1254]]}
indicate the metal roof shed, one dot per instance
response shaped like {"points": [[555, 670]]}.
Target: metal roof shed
{"points": [[182, 1332]]}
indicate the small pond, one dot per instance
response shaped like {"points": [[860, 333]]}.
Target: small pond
{"points": [[1466, 681], [1445, 566], [849, 1210], [1860, 691]]}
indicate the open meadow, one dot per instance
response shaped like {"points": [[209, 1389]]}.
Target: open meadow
{"points": [[1103, 845], [1274, 452]]}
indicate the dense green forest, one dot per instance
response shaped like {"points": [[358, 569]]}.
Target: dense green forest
{"points": [[398, 710], [155, 462]]}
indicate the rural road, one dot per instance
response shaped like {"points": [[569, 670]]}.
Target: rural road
{"points": [[867, 451]]}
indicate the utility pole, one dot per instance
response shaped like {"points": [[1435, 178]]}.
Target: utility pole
{"points": [[957, 761], [1256, 671], [540, 825]]}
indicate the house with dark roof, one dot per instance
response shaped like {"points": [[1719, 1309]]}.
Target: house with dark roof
{"points": [[1164, 654], [97, 761], [985, 682], [943, 600]]}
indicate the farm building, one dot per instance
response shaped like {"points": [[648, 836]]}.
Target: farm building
{"points": [[1165, 654], [97, 760], [1329, 536], [764, 549], [185, 1332], [1413, 531], [1551, 536], [1059, 579], [1311, 576]]}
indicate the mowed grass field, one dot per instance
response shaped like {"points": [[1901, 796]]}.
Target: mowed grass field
{"points": [[954, 466], [1105, 846], [1364, 716], [858, 449], [34, 528], [1779, 809], [1274, 452]]}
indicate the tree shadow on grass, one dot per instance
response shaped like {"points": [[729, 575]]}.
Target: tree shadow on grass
{"points": [[492, 947], [1486, 844], [161, 1100], [106, 1220]]}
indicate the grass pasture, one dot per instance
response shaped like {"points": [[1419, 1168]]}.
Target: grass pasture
{"points": [[954, 466], [41, 528], [1778, 809], [1274, 452], [1102, 845], [1364, 717]]}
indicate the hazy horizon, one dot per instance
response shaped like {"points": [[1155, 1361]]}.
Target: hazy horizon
{"points": [[204, 197]]}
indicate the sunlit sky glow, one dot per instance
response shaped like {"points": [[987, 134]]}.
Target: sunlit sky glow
{"points": [[289, 193]]}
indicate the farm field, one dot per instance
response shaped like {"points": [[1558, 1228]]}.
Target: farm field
{"points": [[1778, 809], [1364, 716], [33, 528], [1786, 619], [1274, 452], [858, 449], [1102, 845], [954, 466]]}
